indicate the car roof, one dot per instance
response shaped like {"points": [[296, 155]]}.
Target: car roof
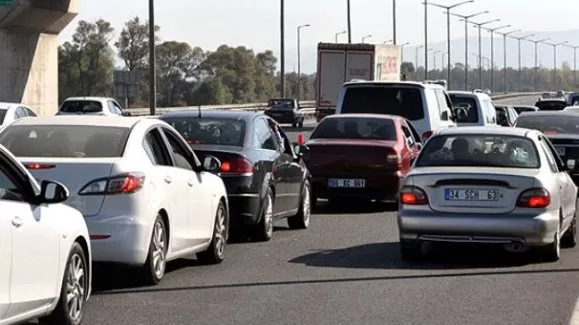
{"points": [[554, 113], [84, 120], [8, 105], [394, 83], [465, 130], [463, 93], [365, 115], [230, 114], [89, 98]]}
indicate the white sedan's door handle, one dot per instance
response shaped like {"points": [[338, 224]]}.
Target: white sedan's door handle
{"points": [[168, 179], [17, 222], [190, 183]]}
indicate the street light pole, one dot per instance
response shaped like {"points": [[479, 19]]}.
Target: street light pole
{"points": [[402, 51], [416, 57], [338, 34], [574, 63], [448, 9], [394, 21], [282, 49], [506, 76], [365, 37], [425, 39], [536, 43], [554, 45], [492, 31], [152, 61], [466, 18], [519, 39], [300, 62], [480, 67], [349, 22]]}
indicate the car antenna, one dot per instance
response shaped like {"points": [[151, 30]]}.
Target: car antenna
{"points": [[199, 110]]}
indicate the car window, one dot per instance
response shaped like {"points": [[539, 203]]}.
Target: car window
{"points": [[355, 128], [118, 108], [281, 103], [491, 111], [441, 100], [552, 124], [29, 112], [408, 134], [65, 141], [465, 108], [8, 189], [209, 130], [479, 151], [155, 148], [554, 154], [180, 154], [19, 113], [550, 159], [415, 133], [111, 107], [81, 106], [263, 136], [393, 100]]}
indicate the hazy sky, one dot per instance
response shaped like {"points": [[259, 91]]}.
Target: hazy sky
{"points": [[255, 23]]}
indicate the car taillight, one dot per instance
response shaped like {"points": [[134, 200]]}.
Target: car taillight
{"points": [[534, 198], [236, 166], [413, 195], [426, 135], [39, 166], [392, 158], [120, 184]]}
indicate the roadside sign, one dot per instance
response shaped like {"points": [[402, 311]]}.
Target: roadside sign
{"points": [[126, 83]]}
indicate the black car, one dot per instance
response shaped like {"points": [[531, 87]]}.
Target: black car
{"points": [[506, 115], [562, 129], [265, 179], [525, 108], [285, 110], [554, 104]]}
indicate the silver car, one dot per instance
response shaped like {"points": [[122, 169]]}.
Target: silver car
{"points": [[511, 189]]}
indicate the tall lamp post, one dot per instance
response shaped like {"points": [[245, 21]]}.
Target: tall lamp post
{"points": [[282, 49], [365, 37], [466, 18], [505, 74], [554, 45], [388, 42], [426, 61], [416, 57], [492, 31], [434, 53], [402, 51], [349, 21], [425, 39], [480, 67], [574, 62], [394, 21], [520, 58], [338, 34], [448, 9], [299, 29], [152, 61], [536, 43]]}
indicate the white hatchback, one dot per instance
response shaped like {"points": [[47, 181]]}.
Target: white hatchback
{"points": [[144, 194], [45, 267]]}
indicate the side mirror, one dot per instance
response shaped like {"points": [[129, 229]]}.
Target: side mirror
{"points": [[211, 164], [126, 113], [571, 164], [53, 192]]}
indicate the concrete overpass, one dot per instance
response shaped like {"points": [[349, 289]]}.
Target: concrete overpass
{"points": [[29, 50]]}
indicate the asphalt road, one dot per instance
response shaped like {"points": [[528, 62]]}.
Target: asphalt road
{"points": [[345, 269]]}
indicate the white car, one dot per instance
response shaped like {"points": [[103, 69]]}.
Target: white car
{"points": [[44, 247], [10, 112], [144, 194], [514, 191], [91, 106]]}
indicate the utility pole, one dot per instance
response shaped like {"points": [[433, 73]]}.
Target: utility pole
{"points": [[465, 18], [152, 60], [282, 49], [394, 21], [554, 45], [492, 31], [425, 39], [480, 67], [537, 42], [574, 63], [349, 21], [300, 62]]}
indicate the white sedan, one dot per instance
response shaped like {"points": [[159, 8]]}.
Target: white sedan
{"points": [[144, 194], [45, 267], [514, 191], [10, 112]]}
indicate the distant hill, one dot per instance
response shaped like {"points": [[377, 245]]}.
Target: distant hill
{"points": [[457, 52]]}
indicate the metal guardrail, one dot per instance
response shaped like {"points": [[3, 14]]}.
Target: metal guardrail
{"points": [[308, 107]]}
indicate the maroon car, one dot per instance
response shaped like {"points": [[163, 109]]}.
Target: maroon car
{"points": [[361, 156]]}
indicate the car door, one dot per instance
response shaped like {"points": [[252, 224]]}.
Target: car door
{"points": [[193, 201], [293, 171], [35, 239], [567, 188], [411, 145], [6, 257]]}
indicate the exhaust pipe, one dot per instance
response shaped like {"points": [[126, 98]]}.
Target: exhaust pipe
{"points": [[516, 247]]}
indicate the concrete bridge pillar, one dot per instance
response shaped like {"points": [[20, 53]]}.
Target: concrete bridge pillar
{"points": [[29, 51]]}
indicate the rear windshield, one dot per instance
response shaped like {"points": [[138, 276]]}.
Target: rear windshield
{"points": [[479, 151], [81, 106], [65, 141], [401, 101], [465, 109], [281, 103], [212, 131], [355, 128], [552, 105], [2, 115], [549, 124]]}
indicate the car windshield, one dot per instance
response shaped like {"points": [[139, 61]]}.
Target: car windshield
{"points": [[550, 124], [355, 128], [65, 141], [401, 101], [465, 109], [209, 130], [2, 115], [81, 106], [281, 103], [479, 150]]}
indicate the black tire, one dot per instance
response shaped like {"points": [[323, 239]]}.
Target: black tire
{"points": [[62, 314], [152, 271], [410, 250], [216, 250], [301, 220], [569, 239], [263, 231], [552, 252]]}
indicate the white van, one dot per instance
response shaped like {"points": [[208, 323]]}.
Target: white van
{"points": [[427, 106], [473, 109]]}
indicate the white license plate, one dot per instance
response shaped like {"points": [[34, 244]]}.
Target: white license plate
{"points": [[347, 183], [471, 195], [560, 151]]}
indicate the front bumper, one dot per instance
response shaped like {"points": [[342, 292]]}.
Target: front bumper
{"points": [[528, 229]]}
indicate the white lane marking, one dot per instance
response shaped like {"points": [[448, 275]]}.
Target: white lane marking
{"points": [[575, 316]]}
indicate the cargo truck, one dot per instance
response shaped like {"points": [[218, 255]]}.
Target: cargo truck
{"points": [[340, 63]]}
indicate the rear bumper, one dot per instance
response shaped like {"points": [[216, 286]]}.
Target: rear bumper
{"points": [[377, 187], [285, 118], [244, 200], [533, 230]]}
